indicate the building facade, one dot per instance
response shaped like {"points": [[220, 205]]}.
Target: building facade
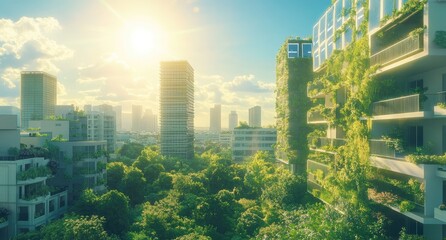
{"points": [[177, 109], [38, 96], [255, 116], [11, 110], [101, 125], [247, 141], [405, 121], [25, 192], [215, 119], [293, 72], [232, 120]]}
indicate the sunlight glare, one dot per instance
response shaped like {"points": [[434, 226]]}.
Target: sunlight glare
{"points": [[143, 41]]}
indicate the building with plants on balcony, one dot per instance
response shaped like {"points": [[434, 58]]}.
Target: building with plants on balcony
{"points": [[293, 72], [81, 162], [27, 200], [379, 92]]}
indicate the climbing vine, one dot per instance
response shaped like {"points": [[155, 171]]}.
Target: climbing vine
{"points": [[293, 74]]}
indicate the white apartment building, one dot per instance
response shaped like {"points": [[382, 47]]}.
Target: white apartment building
{"points": [[406, 46], [247, 141]]}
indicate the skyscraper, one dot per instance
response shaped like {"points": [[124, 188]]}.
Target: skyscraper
{"points": [[215, 119], [38, 96], [177, 109], [233, 120], [255, 116], [118, 112], [136, 118]]}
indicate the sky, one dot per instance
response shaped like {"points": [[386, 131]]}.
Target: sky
{"points": [[108, 51]]}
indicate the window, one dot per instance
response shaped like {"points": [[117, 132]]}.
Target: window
{"points": [[415, 136], [62, 201], [293, 50], [416, 86], [23, 214], [52, 205], [39, 210], [306, 50]]}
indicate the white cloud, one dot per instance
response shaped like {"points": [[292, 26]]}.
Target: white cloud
{"points": [[196, 10], [25, 45], [61, 91], [11, 76]]}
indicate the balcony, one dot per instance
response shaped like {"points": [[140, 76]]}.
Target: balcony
{"points": [[382, 148], [406, 104], [327, 143], [415, 105], [315, 91], [397, 51], [315, 117]]}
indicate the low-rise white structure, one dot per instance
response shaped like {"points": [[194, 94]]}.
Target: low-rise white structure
{"points": [[247, 141]]}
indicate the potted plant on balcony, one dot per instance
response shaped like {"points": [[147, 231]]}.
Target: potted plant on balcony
{"points": [[442, 207], [3, 215]]}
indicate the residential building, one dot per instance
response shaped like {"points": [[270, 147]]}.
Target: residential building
{"points": [[24, 188], [215, 119], [293, 72], [81, 165], [10, 134], [407, 117], [255, 116], [247, 141], [136, 118], [57, 128], [11, 110], [38, 96], [177, 109], [233, 120], [101, 125]]}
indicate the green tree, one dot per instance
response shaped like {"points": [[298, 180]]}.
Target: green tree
{"points": [[250, 221], [115, 175], [75, 227], [134, 185], [131, 150], [114, 206]]}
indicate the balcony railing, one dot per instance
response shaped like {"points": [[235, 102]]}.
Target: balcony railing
{"points": [[315, 117], [404, 104], [333, 142], [381, 148], [403, 48], [408, 104]]}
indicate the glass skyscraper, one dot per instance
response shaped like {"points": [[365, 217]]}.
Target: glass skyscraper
{"points": [[177, 109], [38, 96]]}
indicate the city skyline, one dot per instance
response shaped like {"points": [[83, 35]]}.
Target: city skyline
{"points": [[98, 58]]}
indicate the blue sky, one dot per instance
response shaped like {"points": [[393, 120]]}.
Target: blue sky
{"points": [[108, 51]]}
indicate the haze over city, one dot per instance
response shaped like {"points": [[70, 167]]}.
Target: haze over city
{"points": [[109, 51]]}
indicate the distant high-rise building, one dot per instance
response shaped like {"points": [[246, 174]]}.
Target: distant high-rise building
{"points": [[118, 112], [149, 121], [38, 96], [255, 116], [177, 109], [136, 118], [215, 119], [233, 120]]}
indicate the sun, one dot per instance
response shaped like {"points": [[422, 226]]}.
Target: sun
{"points": [[143, 40]]}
